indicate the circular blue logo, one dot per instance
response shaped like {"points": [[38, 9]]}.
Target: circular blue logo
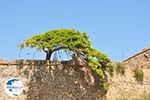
{"points": [[13, 87]]}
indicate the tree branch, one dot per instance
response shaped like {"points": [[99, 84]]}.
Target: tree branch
{"points": [[61, 47], [44, 50]]}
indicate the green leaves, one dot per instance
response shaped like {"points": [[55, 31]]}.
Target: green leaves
{"points": [[100, 64], [75, 41], [66, 38], [139, 74]]}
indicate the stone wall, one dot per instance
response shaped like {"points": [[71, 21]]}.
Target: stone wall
{"points": [[126, 86], [43, 80], [141, 60], [7, 71]]}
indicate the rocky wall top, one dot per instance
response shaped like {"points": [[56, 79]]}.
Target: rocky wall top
{"points": [[45, 80]]}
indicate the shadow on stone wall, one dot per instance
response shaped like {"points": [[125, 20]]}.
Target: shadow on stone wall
{"points": [[47, 80]]}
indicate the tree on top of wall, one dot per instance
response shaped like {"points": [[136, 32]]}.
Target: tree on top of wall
{"points": [[74, 41]]}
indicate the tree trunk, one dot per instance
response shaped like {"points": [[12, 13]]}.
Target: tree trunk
{"points": [[48, 55]]}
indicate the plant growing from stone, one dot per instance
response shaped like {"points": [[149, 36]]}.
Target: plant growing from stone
{"points": [[76, 42], [139, 74], [145, 96], [120, 68]]}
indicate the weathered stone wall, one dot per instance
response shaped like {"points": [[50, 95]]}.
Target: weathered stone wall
{"points": [[141, 60], [43, 80], [126, 86], [7, 71]]}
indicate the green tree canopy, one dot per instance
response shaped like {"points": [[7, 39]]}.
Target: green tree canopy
{"points": [[55, 40], [75, 41]]}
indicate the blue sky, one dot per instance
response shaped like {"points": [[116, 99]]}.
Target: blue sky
{"points": [[119, 28]]}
